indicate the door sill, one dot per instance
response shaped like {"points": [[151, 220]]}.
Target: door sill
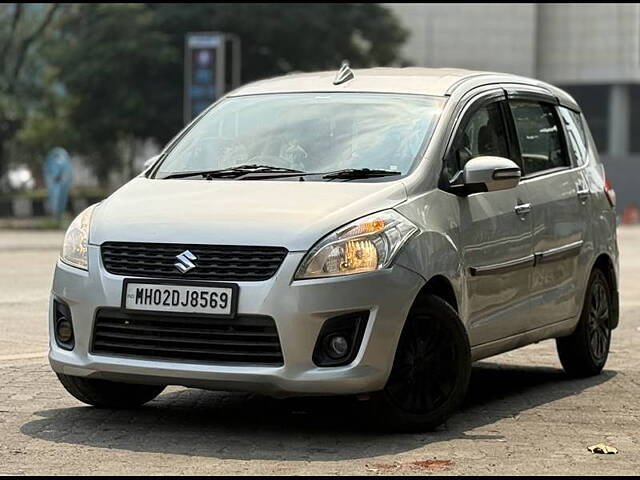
{"points": [[495, 347]]}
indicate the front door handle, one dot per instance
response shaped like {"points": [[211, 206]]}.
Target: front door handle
{"points": [[523, 208]]}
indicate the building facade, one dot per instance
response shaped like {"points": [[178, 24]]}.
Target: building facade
{"points": [[590, 50]]}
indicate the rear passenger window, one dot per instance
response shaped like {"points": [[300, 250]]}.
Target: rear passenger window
{"points": [[539, 136], [577, 138]]}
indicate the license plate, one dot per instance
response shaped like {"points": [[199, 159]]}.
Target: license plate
{"points": [[190, 297]]}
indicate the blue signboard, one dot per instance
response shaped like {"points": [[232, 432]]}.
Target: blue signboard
{"points": [[203, 69], [57, 177], [212, 67]]}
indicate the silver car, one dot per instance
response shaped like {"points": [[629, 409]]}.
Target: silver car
{"points": [[368, 233]]}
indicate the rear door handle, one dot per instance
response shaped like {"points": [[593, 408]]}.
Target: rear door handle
{"points": [[583, 192], [523, 208]]}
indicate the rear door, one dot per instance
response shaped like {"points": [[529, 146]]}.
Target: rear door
{"points": [[558, 210]]}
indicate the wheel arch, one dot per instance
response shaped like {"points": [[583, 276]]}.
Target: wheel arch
{"points": [[605, 263], [441, 287], [438, 285]]}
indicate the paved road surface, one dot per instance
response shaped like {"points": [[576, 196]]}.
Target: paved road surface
{"points": [[522, 416]]}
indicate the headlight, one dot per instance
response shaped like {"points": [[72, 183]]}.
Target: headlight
{"points": [[364, 245], [76, 240]]}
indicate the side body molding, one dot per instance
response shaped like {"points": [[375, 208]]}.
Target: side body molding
{"points": [[559, 253]]}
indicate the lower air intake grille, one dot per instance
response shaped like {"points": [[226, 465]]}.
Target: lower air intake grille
{"points": [[246, 339]]}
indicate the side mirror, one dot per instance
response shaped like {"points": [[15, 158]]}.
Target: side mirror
{"points": [[149, 162], [488, 174]]}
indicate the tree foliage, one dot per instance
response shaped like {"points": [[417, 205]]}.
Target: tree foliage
{"points": [[116, 70], [22, 29]]}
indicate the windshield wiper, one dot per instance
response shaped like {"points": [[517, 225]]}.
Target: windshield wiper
{"points": [[256, 172], [355, 173], [233, 172]]}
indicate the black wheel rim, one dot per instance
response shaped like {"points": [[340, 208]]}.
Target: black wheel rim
{"points": [[424, 372], [599, 333]]}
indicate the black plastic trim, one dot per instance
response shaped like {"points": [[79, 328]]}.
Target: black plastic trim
{"points": [[551, 255], [245, 340], [508, 266], [352, 326], [560, 253], [61, 309]]}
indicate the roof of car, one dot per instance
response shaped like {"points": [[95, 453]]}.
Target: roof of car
{"points": [[425, 81], [409, 80]]}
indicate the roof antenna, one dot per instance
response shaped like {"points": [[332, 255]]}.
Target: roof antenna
{"points": [[344, 74]]}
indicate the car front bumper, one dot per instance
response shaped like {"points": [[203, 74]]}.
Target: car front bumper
{"points": [[299, 309]]}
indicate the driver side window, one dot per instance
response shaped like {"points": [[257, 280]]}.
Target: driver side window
{"points": [[481, 134]]}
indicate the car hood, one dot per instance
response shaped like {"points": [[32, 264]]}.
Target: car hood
{"points": [[290, 214]]}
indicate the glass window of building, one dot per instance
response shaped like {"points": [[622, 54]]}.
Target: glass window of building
{"points": [[634, 119], [594, 102]]}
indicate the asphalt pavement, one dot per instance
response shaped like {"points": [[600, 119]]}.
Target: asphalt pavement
{"points": [[522, 414]]}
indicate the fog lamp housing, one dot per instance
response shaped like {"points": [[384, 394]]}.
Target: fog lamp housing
{"points": [[63, 325], [339, 340]]}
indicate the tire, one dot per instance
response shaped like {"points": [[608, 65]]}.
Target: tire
{"points": [[106, 394], [584, 352], [430, 374]]}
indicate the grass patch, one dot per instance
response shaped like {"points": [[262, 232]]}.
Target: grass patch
{"points": [[35, 223]]}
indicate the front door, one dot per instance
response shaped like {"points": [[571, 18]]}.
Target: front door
{"points": [[496, 232]]}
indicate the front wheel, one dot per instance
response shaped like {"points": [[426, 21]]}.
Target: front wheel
{"points": [[585, 351], [106, 394], [431, 370]]}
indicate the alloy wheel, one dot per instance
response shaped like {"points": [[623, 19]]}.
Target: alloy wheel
{"points": [[599, 334], [424, 372]]}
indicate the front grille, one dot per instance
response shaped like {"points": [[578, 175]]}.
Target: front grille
{"points": [[214, 262], [246, 339]]}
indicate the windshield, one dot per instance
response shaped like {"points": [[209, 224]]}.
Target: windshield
{"points": [[310, 132]]}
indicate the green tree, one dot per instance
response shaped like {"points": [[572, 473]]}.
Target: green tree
{"points": [[110, 61], [22, 30], [278, 38], [122, 64]]}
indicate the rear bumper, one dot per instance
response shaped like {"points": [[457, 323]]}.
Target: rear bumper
{"points": [[299, 309]]}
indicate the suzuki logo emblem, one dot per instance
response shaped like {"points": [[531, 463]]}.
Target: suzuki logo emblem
{"points": [[184, 263]]}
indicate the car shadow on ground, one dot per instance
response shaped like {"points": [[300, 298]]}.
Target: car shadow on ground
{"points": [[240, 426]]}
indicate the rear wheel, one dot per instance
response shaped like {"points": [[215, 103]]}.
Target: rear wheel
{"points": [[584, 352], [106, 394], [431, 370]]}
